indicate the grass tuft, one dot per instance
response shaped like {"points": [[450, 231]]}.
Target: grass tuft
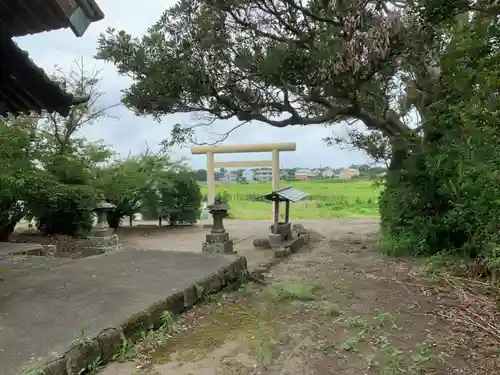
{"points": [[290, 291]]}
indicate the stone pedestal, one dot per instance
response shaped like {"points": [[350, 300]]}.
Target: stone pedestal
{"points": [[212, 237], [101, 244], [101, 228], [285, 229], [102, 232], [299, 231], [275, 240], [218, 243], [219, 247]]}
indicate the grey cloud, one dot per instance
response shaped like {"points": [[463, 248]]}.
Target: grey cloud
{"points": [[132, 133]]}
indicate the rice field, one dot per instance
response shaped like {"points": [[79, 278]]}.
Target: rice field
{"points": [[327, 199]]}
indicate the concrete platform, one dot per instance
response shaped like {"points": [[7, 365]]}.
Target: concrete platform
{"points": [[47, 303], [11, 248]]}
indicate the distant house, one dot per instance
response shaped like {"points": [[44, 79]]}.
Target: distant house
{"points": [[287, 174], [263, 174], [303, 174], [328, 173], [225, 176], [317, 172], [348, 173], [247, 174]]}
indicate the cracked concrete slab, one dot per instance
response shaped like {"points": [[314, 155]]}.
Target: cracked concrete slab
{"points": [[46, 309]]}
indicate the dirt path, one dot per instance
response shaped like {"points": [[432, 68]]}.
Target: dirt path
{"points": [[337, 308], [242, 232]]}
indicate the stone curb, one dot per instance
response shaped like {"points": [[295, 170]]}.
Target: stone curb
{"points": [[107, 343], [279, 254], [35, 250]]}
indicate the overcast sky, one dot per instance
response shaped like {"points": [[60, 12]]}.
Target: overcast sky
{"points": [[129, 133]]}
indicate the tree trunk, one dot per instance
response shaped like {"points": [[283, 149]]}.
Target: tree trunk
{"points": [[10, 214], [7, 230], [399, 155], [114, 220], [397, 159]]}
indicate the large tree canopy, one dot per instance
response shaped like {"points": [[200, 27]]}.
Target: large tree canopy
{"points": [[289, 62], [279, 62]]}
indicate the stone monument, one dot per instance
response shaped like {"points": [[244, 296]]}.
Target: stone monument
{"points": [[102, 238], [102, 208], [217, 240]]}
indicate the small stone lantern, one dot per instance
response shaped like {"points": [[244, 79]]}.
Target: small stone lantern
{"points": [[218, 210], [101, 229], [217, 241]]}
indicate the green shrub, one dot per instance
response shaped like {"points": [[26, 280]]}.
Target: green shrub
{"points": [[180, 198], [445, 198], [63, 209]]}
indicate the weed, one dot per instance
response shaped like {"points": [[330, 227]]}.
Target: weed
{"points": [[355, 321], [126, 350], [332, 309], [350, 345], [200, 292], [384, 342], [286, 291], [263, 350], [94, 367], [167, 320], [395, 360], [422, 356], [146, 334], [370, 360], [82, 339], [384, 319], [399, 363], [33, 370], [204, 294], [435, 265]]}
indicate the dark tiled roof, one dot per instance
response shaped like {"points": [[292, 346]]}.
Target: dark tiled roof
{"points": [[23, 17], [25, 87]]}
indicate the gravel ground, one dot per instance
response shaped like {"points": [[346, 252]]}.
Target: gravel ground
{"points": [[339, 308]]}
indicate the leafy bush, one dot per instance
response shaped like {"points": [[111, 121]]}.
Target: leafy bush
{"points": [[446, 197], [17, 171], [175, 196], [227, 197], [63, 209], [129, 183], [185, 198]]}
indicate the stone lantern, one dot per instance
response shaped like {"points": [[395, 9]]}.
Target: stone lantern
{"points": [[218, 210], [102, 208], [217, 240]]}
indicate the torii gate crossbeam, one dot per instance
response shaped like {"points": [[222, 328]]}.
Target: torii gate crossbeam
{"points": [[210, 151]]}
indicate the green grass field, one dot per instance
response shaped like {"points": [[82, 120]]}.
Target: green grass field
{"points": [[327, 199]]}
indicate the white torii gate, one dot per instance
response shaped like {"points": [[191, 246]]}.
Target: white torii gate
{"points": [[210, 151]]}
